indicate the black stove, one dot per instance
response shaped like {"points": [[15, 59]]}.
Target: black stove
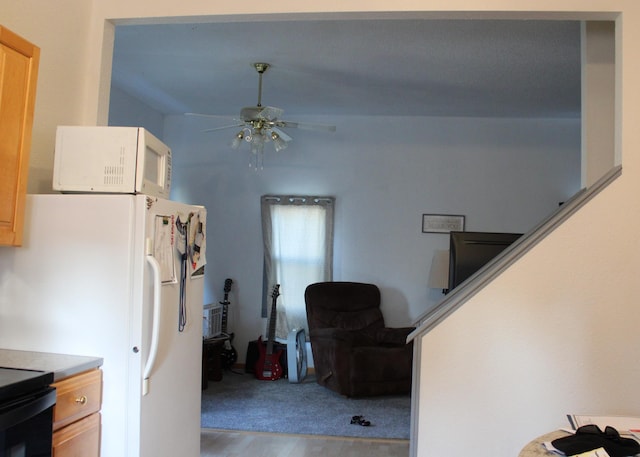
{"points": [[16, 382], [26, 412]]}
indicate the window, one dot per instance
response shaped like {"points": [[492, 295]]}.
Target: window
{"points": [[298, 251]]}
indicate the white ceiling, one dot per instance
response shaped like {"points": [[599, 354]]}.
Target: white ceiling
{"points": [[391, 67]]}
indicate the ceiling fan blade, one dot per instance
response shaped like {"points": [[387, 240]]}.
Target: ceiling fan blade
{"points": [[270, 113], [212, 116], [238, 123], [305, 126], [223, 127]]}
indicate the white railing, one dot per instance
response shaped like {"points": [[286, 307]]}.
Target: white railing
{"points": [[458, 296]]}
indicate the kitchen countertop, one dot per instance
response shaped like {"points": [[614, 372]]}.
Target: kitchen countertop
{"points": [[62, 365]]}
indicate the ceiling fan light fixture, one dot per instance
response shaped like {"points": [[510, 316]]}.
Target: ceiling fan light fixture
{"points": [[278, 143], [237, 140], [256, 158], [257, 142]]}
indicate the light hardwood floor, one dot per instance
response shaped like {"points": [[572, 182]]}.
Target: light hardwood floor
{"points": [[219, 443]]}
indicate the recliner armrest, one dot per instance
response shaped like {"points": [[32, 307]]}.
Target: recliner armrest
{"points": [[340, 336], [393, 336]]}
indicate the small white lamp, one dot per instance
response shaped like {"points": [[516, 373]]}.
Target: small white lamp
{"points": [[439, 273]]}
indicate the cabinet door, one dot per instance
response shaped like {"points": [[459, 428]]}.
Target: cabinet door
{"points": [[80, 439], [18, 76], [77, 397]]}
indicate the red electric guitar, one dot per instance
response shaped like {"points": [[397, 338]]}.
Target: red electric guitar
{"points": [[268, 366]]}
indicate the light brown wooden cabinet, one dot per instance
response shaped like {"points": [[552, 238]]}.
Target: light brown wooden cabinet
{"points": [[19, 61], [76, 416]]}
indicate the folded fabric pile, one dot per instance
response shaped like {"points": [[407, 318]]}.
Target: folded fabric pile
{"points": [[590, 437]]}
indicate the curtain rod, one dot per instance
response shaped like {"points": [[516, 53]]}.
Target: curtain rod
{"points": [[295, 198]]}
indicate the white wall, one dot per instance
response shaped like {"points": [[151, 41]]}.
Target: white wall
{"points": [[588, 269], [60, 77], [502, 174], [557, 333], [128, 111], [538, 343]]}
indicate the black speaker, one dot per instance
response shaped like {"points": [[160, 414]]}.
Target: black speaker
{"points": [[211, 368]]}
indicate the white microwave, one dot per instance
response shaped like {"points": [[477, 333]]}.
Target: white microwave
{"points": [[111, 160]]}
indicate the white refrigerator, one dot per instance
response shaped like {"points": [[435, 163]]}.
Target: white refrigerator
{"points": [[105, 276]]}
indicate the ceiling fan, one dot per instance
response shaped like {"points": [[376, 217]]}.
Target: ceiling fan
{"points": [[261, 124]]}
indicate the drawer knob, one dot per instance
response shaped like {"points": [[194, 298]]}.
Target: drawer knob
{"points": [[82, 400]]}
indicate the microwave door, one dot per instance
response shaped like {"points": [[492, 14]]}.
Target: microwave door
{"points": [[154, 166]]}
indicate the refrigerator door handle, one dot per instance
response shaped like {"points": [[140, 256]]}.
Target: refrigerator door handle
{"points": [[155, 330]]}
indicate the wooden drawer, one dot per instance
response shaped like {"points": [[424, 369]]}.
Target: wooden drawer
{"points": [[82, 438], [77, 397]]}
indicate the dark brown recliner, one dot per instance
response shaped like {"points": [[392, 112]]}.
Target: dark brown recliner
{"points": [[354, 354]]}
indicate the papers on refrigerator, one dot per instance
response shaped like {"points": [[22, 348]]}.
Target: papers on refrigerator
{"points": [[164, 236]]}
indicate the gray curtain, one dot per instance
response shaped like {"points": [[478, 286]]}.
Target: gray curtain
{"points": [[298, 250]]}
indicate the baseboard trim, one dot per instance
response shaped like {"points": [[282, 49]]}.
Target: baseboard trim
{"points": [[241, 367], [324, 437]]}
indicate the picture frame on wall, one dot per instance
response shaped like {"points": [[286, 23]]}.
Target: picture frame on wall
{"points": [[442, 223]]}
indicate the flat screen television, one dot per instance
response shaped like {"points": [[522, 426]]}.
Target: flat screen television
{"points": [[470, 251]]}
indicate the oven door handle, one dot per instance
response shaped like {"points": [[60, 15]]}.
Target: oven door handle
{"points": [[24, 409]]}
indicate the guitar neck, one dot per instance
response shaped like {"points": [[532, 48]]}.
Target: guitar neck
{"points": [[225, 314], [272, 329], [225, 304], [272, 321]]}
